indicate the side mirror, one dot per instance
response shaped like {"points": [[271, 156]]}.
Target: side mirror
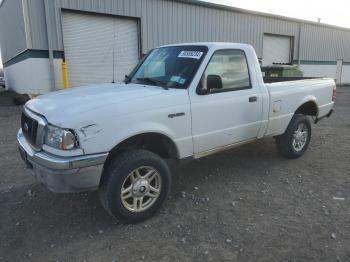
{"points": [[214, 82]]}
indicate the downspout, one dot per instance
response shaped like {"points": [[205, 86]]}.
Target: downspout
{"points": [[299, 42], [49, 44]]}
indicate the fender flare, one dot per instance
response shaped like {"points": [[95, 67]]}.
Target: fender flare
{"points": [[308, 99]]}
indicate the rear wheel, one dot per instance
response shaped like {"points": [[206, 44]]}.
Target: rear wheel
{"points": [[134, 185], [294, 142]]}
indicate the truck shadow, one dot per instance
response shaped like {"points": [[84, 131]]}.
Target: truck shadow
{"points": [[40, 215], [251, 161]]}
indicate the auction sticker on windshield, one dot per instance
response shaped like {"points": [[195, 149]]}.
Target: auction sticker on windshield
{"points": [[178, 79], [191, 54]]}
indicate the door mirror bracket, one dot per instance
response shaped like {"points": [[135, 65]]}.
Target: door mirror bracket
{"points": [[214, 82]]}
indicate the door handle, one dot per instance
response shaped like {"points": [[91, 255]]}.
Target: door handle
{"points": [[253, 99]]}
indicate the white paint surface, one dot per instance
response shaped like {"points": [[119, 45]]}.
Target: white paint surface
{"points": [[319, 70], [328, 71], [345, 76], [99, 49], [32, 76], [276, 49]]}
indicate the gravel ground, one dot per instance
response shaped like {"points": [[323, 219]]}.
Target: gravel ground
{"points": [[247, 204]]}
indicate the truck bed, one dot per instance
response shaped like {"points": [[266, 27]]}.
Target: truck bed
{"points": [[287, 96]]}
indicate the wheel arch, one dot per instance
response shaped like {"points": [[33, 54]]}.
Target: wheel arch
{"points": [[155, 142], [308, 106]]}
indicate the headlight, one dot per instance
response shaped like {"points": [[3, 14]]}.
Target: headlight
{"points": [[59, 138]]}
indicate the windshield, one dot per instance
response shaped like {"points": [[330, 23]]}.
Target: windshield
{"points": [[169, 67]]}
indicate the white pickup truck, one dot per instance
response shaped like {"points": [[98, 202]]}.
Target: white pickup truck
{"points": [[181, 102]]}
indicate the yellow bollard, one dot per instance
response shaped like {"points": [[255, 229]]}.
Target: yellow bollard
{"points": [[65, 75]]}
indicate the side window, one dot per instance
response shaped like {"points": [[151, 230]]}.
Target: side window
{"points": [[231, 66]]}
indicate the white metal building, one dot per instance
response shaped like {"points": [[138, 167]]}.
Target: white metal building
{"points": [[102, 40]]}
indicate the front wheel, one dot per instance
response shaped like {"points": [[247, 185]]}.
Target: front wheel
{"points": [[134, 185], [294, 142]]}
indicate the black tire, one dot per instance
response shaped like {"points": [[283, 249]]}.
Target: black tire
{"points": [[284, 142], [114, 176]]}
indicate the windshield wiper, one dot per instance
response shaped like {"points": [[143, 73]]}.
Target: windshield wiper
{"points": [[152, 81], [127, 79]]}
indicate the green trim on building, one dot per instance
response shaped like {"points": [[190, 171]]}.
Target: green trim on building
{"points": [[306, 62], [31, 53]]}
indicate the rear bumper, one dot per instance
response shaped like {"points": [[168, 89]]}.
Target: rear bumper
{"points": [[63, 174]]}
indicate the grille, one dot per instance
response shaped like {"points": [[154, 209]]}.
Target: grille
{"points": [[29, 128]]}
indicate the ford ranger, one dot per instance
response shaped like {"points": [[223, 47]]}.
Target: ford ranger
{"points": [[181, 102]]}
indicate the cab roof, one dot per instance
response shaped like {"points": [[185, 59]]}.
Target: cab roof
{"points": [[211, 44]]}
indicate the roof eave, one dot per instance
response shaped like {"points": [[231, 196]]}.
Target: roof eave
{"points": [[250, 12]]}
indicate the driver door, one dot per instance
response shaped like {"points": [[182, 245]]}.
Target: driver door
{"points": [[228, 115]]}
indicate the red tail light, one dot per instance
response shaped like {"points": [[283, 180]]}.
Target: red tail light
{"points": [[334, 94]]}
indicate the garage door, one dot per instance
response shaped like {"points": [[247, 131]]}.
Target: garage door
{"points": [[276, 49], [99, 49]]}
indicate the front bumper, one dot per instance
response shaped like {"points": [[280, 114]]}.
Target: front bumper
{"points": [[63, 174]]}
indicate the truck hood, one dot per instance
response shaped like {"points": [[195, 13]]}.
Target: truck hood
{"points": [[62, 105]]}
